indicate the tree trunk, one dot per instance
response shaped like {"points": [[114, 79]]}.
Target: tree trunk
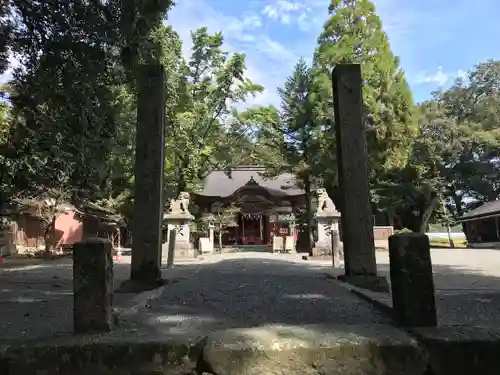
{"points": [[220, 238], [427, 213], [48, 235], [458, 204], [452, 244], [308, 242], [181, 181]]}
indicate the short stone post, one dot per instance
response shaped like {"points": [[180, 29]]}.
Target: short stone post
{"points": [[336, 247], [92, 285], [178, 218], [149, 174], [412, 280], [327, 220], [171, 248], [211, 228], [357, 221]]}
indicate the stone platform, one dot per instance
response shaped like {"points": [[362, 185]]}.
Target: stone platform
{"points": [[245, 314], [270, 350]]}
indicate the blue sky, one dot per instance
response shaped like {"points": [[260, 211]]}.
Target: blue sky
{"points": [[437, 40]]}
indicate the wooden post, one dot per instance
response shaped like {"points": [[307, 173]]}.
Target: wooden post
{"points": [[261, 229], [357, 225], [242, 229], [498, 227], [334, 236], [171, 248], [149, 174]]}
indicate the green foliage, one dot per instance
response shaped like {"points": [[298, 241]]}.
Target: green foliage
{"points": [[404, 230], [5, 30], [206, 133], [353, 34], [64, 105], [455, 155], [7, 187], [71, 127]]}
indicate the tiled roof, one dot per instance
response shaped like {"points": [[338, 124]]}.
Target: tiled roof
{"points": [[487, 209], [218, 184]]}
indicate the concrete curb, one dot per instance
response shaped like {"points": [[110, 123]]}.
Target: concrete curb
{"points": [[381, 301], [270, 350], [137, 300]]}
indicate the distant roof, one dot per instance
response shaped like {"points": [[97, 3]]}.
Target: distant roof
{"points": [[488, 209], [218, 184]]}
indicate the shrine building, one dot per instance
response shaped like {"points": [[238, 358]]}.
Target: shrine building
{"points": [[260, 207]]}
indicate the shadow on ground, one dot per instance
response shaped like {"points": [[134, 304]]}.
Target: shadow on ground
{"points": [[251, 293], [464, 296], [37, 301]]}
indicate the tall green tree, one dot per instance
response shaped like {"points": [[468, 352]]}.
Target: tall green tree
{"points": [[353, 34], [455, 156], [298, 132], [73, 55], [5, 31], [206, 131]]}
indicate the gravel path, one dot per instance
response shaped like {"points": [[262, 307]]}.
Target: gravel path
{"points": [[467, 283], [253, 292], [36, 301]]}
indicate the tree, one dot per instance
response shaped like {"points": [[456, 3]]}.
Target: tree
{"points": [[353, 34], [75, 57], [224, 219], [297, 134], [206, 131], [415, 191], [454, 158], [5, 30], [473, 104], [6, 164]]}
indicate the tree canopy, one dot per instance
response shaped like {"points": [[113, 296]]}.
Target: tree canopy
{"points": [[68, 124]]}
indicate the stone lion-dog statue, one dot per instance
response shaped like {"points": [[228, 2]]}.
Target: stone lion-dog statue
{"points": [[179, 205], [325, 203]]}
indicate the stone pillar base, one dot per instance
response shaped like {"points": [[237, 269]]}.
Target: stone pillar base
{"points": [[182, 250], [321, 249], [370, 282]]}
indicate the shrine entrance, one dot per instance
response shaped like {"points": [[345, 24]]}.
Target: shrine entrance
{"points": [[253, 228]]}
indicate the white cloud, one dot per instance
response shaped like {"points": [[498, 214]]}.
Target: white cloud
{"points": [[439, 77], [268, 61], [7, 75], [306, 14]]}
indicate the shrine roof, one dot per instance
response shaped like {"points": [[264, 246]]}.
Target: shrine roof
{"points": [[219, 184], [488, 209]]}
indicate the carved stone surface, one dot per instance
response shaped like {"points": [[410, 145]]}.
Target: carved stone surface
{"points": [[179, 205], [327, 221], [148, 185], [325, 206], [92, 285], [412, 281], [180, 223], [357, 221]]}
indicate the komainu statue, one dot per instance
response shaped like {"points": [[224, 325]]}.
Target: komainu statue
{"points": [[325, 203], [179, 205]]}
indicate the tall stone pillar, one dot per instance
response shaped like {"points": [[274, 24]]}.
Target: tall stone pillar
{"points": [[148, 185], [356, 219]]}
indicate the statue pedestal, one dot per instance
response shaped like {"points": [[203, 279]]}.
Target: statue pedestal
{"points": [[327, 222], [183, 246]]}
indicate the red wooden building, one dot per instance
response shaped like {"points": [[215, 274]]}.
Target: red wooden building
{"points": [[262, 207]]}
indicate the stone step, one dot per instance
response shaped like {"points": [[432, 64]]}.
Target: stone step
{"points": [[270, 350], [242, 248]]}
